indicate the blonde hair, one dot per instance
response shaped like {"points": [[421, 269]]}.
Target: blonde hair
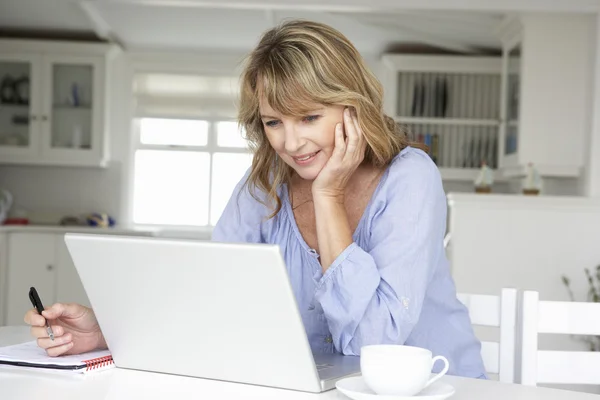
{"points": [[295, 65]]}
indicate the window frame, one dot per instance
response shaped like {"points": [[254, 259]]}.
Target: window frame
{"points": [[211, 148]]}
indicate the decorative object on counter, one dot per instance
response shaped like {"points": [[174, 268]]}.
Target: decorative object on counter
{"points": [[533, 182], [484, 180], [593, 295], [101, 220], [6, 201], [70, 220]]}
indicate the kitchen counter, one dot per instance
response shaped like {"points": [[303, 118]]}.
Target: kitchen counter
{"points": [[76, 229]]}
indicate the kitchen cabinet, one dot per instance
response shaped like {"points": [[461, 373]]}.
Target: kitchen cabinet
{"points": [[31, 262], [38, 256], [452, 104], [53, 102], [546, 92], [41, 260]]}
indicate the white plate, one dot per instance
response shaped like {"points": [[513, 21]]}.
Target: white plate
{"points": [[356, 388]]}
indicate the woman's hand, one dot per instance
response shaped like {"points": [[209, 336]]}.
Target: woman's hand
{"points": [[347, 155], [75, 329]]}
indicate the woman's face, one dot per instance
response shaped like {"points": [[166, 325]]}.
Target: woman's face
{"points": [[304, 143]]}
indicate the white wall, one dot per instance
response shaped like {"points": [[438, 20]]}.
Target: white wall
{"points": [[591, 182], [527, 243]]}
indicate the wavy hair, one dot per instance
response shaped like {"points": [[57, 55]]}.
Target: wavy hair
{"points": [[295, 65]]}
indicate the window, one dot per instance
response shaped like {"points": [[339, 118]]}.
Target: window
{"points": [[189, 153], [185, 170]]}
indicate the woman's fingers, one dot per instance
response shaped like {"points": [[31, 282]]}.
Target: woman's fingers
{"points": [[33, 318], [351, 132], [47, 343], [59, 350], [40, 331], [339, 145]]}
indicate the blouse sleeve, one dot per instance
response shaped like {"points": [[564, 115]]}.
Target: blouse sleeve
{"points": [[242, 218], [375, 295]]}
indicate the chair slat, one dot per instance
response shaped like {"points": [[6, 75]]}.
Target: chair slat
{"points": [[490, 352], [483, 309], [568, 367], [569, 318]]}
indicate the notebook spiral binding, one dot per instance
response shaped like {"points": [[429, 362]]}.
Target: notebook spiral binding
{"points": [[98, 363]]}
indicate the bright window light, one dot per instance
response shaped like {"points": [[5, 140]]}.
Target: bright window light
{"points": [[173, 132], [229, 134], [171, 187]]}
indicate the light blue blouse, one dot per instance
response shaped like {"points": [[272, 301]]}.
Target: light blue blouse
{"points": [[391, 285]]}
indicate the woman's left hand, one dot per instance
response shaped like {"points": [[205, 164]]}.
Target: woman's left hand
{"points": [[347, 155]]}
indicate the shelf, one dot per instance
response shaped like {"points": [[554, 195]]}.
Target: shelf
{"points": [[545, 171], [447, 121], [466, 174], [72, 108], [23, 107]]}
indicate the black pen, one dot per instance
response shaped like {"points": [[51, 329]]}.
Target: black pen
{"points": [[37, 303]]}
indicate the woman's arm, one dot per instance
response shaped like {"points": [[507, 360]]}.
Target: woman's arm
{"points": [[328, 189], [333, 229], [375, 295]]}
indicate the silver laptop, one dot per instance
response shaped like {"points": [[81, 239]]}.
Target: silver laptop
{"points": [[202, 309]]}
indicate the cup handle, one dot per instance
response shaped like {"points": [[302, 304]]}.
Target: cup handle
{"points": [[442, 372]]}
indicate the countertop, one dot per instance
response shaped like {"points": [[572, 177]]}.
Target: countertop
{"points": [[76, 229]]}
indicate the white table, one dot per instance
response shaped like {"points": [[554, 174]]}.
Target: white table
{"points": [[122, 384]]}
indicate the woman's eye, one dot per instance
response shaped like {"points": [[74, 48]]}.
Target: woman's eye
{"points": [[311, 118], [271, 124]]}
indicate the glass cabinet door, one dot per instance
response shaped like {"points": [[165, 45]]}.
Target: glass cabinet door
{"points": [[71, 113], [16, 113]]}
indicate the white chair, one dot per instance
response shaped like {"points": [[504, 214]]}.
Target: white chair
{"points": [[558, 317], [501, 312]]}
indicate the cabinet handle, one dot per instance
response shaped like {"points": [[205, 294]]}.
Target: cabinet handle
{"points": [[33, 118], [49, 267], [44, 117]]}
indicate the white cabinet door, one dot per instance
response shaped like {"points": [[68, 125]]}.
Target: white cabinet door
{"points": [[20, 104], [73, 116], [69, 288], [30, 263]]}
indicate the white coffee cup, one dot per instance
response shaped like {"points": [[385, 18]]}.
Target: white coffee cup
{"points": [[398, 370]]}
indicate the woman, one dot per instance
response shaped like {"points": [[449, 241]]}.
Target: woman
{"points": [[358, 213]]}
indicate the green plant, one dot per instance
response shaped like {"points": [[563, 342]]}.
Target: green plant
{"points": [[593, 295]]}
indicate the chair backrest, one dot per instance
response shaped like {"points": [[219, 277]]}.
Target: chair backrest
{"points": [[496, 311], [558, 317]]}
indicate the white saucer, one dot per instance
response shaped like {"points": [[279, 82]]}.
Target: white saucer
{"points": [[356, 388]]}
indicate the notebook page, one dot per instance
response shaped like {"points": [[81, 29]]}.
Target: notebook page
{"points": [[30, 352]]}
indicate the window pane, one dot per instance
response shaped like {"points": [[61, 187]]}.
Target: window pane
{"points": [[171, 187], [227, 170], [174, 132], [229, 134]]}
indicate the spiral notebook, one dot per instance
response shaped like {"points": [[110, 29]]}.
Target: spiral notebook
{"points": [[30, 355]]}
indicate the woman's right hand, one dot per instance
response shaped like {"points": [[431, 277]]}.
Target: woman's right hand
{"points": [[75, 329]]}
